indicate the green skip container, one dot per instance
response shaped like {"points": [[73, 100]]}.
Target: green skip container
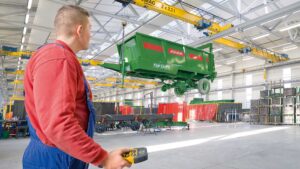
{"points": [[150, 57]]}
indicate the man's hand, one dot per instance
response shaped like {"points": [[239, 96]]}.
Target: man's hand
{"points": [[115, 160]]}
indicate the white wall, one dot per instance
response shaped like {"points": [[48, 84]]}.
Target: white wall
{"points": [[237, 80]]}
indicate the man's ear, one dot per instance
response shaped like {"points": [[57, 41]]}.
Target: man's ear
{"points": [[79, 30]]}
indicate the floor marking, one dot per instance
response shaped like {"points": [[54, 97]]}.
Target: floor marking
{"points": [[180, 144], [253, 132], [193, 142]]}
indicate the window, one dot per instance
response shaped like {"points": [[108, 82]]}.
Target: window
{"points": [[220, 95], [248, 91], [220, 86], [287, 76]]}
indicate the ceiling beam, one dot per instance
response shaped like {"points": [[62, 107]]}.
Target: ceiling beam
{"points": [[101, 26], [246, 19], [285, 10], [140, 23]]}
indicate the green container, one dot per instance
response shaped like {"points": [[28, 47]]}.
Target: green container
{"points": [[150, 57], [166, 59], [197, 101], [210, 101], [180, 124], [5, 134], [128, 102]]}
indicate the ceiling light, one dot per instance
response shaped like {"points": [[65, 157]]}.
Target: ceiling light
{"points": [[217, 50], [27, 18], [23, 39], [248, 58], [290, 27], [279, 45], [21, 49], [29, 4], [232, 62], [261, 36], [290, 48], [274, 19], [246, 29], [24, 30]]}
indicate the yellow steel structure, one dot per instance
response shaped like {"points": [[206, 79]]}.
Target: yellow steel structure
{"points": [[17, 82], [16, 54], [17, 72], [13, 98], [172, 11], [214, 28], [144, 82], [90, 78], [90, 62], [116, 85]]}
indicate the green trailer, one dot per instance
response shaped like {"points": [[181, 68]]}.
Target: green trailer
{"points": [[177, 66]]}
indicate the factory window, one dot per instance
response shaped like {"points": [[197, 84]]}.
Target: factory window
{"points": [[220, 86], [287, 76], [248, 91], [220, 95]]}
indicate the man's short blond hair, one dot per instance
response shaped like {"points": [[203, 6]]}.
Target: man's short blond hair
{"points": [[67, 17]]}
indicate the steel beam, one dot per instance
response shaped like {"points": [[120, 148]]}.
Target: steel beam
{"points": [[246, 19], [140, 23], [133, 10], [101, 26], [285, 10]]}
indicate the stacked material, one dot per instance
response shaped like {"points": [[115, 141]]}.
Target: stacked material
{"points": [[276, 110], [298, 108], [289, 104]]}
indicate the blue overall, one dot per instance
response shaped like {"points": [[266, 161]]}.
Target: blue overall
{"points": [[40, 156]]}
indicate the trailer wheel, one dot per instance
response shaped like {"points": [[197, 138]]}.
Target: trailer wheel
{"points": [[165, 87], [179, 91], [204, 86]]}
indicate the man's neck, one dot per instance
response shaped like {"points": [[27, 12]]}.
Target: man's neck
{"points": [[70, 42]]}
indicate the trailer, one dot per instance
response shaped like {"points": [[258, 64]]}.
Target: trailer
{"points": [[177, 66]]}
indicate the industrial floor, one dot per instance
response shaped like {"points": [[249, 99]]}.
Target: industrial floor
{"points": [[204, 146]]}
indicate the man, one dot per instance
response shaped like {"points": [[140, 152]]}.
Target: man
{"points": [[57, 99]]}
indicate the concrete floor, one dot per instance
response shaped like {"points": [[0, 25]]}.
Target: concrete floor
{"points": [[205, 146]]}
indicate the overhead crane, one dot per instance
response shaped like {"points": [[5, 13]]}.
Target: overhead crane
{"points": [[143, 82], [116, 85], [113, 82], [201, 23], [22, 54]]}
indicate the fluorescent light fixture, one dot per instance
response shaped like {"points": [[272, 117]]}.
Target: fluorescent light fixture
{"points": [[290, 27], [23, 39], [274, 19], [29, 4], [231, 62], [249, 28], [279, 45], [248, 58], [24, 30], [260, 36], [217, 50], [22, 47], [289, 48], [27, 18]]}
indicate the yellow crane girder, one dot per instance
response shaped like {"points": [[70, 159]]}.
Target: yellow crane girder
{"points": [[17, 72], [214, 28], [116, 85], [16, 54], [90, 78], [90, 62], [144, 82], [17, 82]]}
